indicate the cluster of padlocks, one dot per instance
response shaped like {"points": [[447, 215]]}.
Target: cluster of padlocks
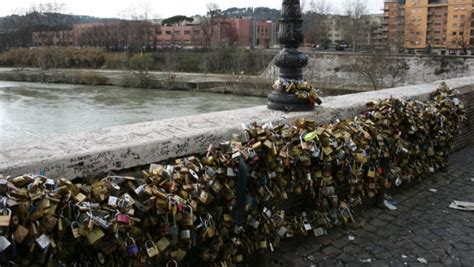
{"points": [[301, 89], [215, 208]]}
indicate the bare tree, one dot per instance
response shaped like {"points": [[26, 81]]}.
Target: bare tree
{"points": [[317, 23], [377, 68], [462, 38], [208, 23], [50, 11], [355, 11]]}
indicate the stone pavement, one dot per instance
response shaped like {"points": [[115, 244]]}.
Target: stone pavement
{"points": [[422, 228]]}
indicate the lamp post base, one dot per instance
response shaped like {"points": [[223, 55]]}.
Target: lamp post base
{"points": [[287, 102]]}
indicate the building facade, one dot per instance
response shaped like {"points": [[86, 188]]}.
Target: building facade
{"points": [[53, 38], [119, 35], [428, 24]]}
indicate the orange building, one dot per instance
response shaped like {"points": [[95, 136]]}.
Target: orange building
{"points": [[442, 24], [394, 23]]}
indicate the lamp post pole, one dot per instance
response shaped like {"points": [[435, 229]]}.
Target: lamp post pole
{"points": [[290, 61]]}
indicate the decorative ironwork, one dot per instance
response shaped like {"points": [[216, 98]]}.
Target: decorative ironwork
{"points": [[291, 62]]}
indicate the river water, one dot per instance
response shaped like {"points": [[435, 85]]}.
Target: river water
{"points": [[31, 111]]}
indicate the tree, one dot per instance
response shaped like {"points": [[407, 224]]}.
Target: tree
{"points": [[142, 63], [317, 22], [462, 38], [208, 23], [376, 68], [176, 20], [355, 11]]}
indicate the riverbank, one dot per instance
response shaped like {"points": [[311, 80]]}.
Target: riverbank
{"points": [[216, 83]]}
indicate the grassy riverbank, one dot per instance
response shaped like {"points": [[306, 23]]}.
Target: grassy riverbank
{"points": [[222, 61]]}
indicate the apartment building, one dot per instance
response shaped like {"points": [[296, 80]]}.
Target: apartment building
{"points": [[393, 24], [433, 24]]}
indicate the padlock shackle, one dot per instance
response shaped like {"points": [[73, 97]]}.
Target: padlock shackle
{"points": [[127, 239], [150, 244]]}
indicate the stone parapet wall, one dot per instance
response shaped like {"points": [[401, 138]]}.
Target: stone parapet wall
{"points": [[329, 67], [122, 147]]}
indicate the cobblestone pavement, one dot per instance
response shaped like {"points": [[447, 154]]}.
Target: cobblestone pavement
{"points": [[422, 228]]}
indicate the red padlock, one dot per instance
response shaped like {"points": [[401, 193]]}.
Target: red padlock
{"points": [[122, 218], [179, 207], [165, 229]]}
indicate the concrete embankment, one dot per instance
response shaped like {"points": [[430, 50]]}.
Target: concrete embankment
{"points": [[216, 83]]}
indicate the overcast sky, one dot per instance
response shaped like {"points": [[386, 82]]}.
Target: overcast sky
{"points": [[162, 8]]}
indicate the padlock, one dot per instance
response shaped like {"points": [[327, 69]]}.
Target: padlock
{"points": [[3, 185], [151, 249], [132, 248], [163, 244], [48, 223], [80, 197], [203, 196], [75, 230], [95, 235], [112, 201], [4, 243], [172, 263], [319, 231], [255, 222], [185, 234], [122, 218], [43, 241], [20, 234], [282, 231], [5, 217], [178, 254]]}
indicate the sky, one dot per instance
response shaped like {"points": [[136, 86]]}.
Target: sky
{"points": [[159, 8]]}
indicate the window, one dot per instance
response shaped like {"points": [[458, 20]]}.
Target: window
{"points": [[159, 32], [176, 33], [454, 33], [168, 32], [187, 32], [197, 32]]}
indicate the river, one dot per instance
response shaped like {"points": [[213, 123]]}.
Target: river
{"points": [[32, 111]]}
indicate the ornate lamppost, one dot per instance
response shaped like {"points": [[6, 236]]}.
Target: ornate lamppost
{"points": [[290, 91]]}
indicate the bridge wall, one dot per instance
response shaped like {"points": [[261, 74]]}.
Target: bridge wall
{"points": [[94, 153]]}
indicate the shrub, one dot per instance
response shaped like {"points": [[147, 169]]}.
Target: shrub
{"points": [[92, 78]]}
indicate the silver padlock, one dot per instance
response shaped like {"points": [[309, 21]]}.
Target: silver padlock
{"points": [[4, 243], [112, 201], [255, 222], [267, 213], [139, 190], [307, 226], [282, 231], [185, 234], [50, 184], [231, 172], [319, 231], [43, 241]]}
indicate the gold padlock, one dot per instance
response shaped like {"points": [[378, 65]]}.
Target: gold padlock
{"points": [[75, 230], [95, 235], [163, 244], [151, 249], [5, 217], [20, 234]]}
